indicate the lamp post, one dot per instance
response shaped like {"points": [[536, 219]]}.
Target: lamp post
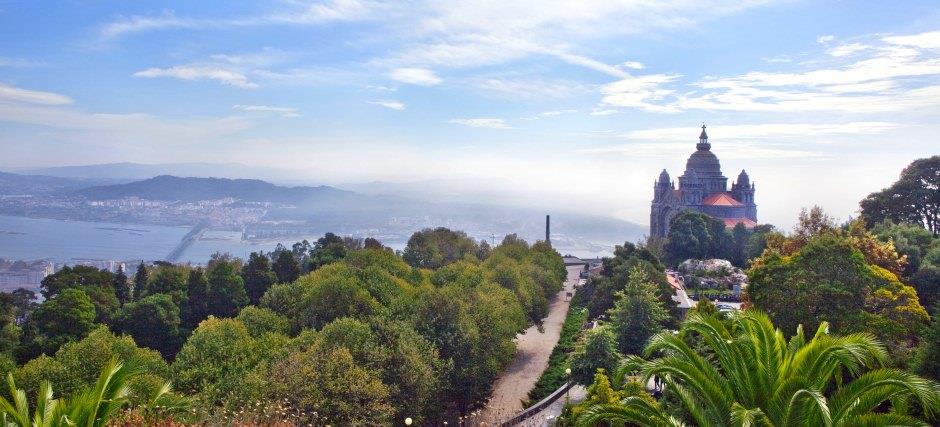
{"points": [[568, 390]]}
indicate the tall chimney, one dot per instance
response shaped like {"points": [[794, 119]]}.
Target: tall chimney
{"points": [[548, 230]]}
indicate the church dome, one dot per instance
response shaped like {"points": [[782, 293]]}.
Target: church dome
{"points": [[703, 161]]}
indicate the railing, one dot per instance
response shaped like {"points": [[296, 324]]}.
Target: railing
{"points": [[538, 407]]}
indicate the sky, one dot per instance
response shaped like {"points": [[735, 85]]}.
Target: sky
{"points": [[575, 105]]}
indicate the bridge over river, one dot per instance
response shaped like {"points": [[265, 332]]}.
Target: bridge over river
{"points": [[187, 241]]}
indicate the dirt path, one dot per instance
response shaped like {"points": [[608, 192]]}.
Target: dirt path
{"points": [[532, 351]]}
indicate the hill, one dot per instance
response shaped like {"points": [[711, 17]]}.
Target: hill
{"points": [[173, 188], [17, 184]]}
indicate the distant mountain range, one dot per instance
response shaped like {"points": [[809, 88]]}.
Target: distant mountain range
{"points": [[136, 171], [172, 188], [17, 184], [364, 206]]}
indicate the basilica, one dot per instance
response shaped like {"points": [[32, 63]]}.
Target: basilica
{"points": [[703, 188]]}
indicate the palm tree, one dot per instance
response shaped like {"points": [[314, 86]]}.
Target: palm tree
{"points": [[749, 375], [93, 407]]}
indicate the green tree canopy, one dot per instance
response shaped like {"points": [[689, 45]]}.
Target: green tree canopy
{"points": [[913, 198], [154, 322], [434, 248], [638, 314]]}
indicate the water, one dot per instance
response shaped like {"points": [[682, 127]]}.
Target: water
{"points": [[65, 241]]}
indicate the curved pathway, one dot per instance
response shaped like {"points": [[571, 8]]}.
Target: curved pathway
{"points": [[532, 351]]}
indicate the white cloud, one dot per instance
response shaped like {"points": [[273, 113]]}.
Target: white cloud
{"points": [[196, 72], [633, 65], [927, 40], [879, 77], [416, 76], [525, 87], [825, 39], [549, 114], [644, 92], [603, 111], [765, 130], [15, 94], [287, 112], [847, 49], [482, 123], [394, 105]]}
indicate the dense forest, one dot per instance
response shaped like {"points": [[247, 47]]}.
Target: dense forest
{"points": [[340, 330], [836, 329]]}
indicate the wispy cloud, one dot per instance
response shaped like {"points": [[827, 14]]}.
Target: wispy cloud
{"points": [[281, 111], [482, 123], [416, 76], [633, 65], [552, 113], [194, 72], [764, 130], [894, 73], [16, 94], [394, 105]]}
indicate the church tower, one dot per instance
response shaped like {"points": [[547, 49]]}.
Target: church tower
{"points": [[702, 187]]}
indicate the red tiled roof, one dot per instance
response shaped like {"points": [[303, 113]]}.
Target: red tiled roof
{"points": [[721, 199], [731, 222]]}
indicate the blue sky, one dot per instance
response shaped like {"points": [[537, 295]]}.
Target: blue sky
{"points": [[581, 103]]}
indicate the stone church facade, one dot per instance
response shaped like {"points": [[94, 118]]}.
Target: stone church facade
{"points": [[702, 188]]}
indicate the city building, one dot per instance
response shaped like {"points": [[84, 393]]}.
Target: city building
{"points": [[705, 189]]}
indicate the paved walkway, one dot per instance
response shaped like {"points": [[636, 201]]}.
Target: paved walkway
{"points": [[532, 351]]}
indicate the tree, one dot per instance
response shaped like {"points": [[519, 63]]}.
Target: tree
{"points": [[434, 248], [597, 351], [167, 279], [76, 365], [829, 279], [913, 198], [226, 289], [258, 276], [240, 378], [638, 314], [196, 308], [9, 329], [927, 358], [328, 249], [122, 288], [140, 280], [79, 276], [329, 380], [68, 316], [696, 235], [286, 267], [154, 322], [756, 377], [616, 273]]}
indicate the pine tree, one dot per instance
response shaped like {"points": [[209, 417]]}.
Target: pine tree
{"points": [[197, 302], [286, 267], [638, 314], [258, 276], [122, 289], [140, 281]]}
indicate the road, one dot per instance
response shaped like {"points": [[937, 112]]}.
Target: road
{"points": [[532, 351]]}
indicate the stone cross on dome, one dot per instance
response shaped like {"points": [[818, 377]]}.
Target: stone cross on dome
{"points": [[703, 140]]}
